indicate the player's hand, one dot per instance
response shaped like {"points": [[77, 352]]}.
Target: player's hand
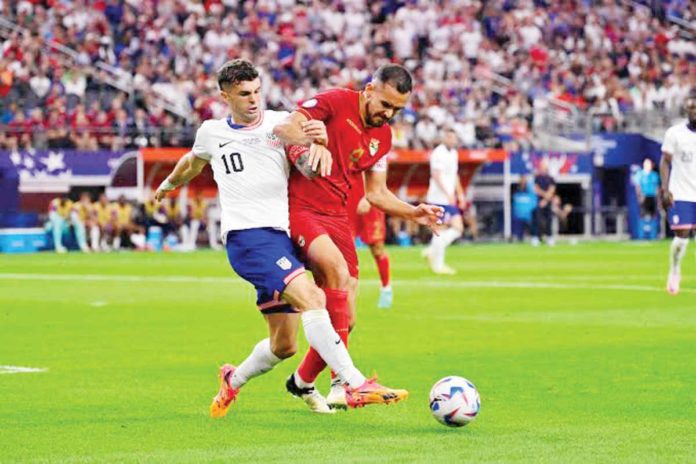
{"points": [[316, 130], [363, 206], [320, 158], [667, 199], [164, 188], [429, 215], [160, 195]]}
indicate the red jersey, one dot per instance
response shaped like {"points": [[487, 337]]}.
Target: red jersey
{"points": [[354, 147]]}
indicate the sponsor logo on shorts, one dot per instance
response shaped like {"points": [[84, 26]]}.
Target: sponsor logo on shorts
{"points": [[284, 263], [301, 240], [675, 219]]}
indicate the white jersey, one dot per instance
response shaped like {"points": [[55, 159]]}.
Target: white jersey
{"points": [[446, 162], [250, 169], [680, 142]]}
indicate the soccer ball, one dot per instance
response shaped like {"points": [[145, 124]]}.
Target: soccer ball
{"points": [[454, 401]]}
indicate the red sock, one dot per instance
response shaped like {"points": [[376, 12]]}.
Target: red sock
{"points": [[337, 306], [383, 266]]}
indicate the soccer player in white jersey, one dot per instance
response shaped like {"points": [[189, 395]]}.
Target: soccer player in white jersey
{"points": [[445, 190], [251, 171], [678, 173]]}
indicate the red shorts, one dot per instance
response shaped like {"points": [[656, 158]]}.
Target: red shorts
{"points": [[371, 227], [306, 225]]}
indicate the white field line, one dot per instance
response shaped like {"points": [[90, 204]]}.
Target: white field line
{"points": [[20, 370], [431, 282]]}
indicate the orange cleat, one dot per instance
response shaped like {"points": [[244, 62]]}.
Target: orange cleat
{"points": [[222, 401], [373, 393]]}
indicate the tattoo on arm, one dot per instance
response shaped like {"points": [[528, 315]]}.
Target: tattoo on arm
{"points": [[302, 165]]}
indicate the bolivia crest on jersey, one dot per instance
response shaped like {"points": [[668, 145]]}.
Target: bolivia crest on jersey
{"points": [[374, 145]]}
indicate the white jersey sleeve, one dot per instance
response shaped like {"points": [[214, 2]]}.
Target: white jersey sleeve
{"points": [[250, 169], [680, 142], [381, 164], [199, 149], [668, 144]]}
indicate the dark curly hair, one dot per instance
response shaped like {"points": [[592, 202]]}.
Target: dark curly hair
{"points": [[235, 71]]}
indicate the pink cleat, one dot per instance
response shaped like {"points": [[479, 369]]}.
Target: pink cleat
{"points": [[673, 282], [373, 393], [222, 401]]}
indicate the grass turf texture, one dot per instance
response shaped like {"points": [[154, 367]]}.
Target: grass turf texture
{"points": [[578, 353]]}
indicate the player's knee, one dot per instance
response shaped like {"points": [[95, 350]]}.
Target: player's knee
{"points": [[339, 277], [315, 298], [284, 348]]}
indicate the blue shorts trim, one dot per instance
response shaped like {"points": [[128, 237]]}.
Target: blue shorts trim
{"points": [[265, 258], [451, 211], [682, 215]]}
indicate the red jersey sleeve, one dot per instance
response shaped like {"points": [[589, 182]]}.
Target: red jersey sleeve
{"points": [[321, 106]]}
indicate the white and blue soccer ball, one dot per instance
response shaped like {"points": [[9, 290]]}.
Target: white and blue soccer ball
{"points": [[454, 401]]}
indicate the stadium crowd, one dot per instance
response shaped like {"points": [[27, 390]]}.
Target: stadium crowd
{"points": [[482, 67]]}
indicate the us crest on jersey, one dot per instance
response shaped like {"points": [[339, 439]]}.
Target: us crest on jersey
{"points": [[284, 263], [374, 145]]}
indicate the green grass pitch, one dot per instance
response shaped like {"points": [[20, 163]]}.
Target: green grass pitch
{"points": [[578, 353]]}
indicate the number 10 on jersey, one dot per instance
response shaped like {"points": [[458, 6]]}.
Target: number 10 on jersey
{"points": [[235, 160]]}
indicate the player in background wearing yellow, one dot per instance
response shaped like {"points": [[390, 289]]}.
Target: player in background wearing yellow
{"points": [[197, 214], [678, 176], [175, 224], [105, 222], [125, 225], [82, 218], [58, 218]]}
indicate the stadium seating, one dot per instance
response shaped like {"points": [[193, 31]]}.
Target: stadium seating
{"points": [[77, 74]]}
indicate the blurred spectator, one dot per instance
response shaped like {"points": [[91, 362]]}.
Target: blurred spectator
{"points": [[545, 189], [480, 65], [524, 202]]}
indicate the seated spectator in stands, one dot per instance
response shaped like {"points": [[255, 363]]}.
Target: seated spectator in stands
{"points": [[545, 189], [524, 202]]}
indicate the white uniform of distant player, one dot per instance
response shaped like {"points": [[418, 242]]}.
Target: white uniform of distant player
{"points": [[253, 197], [444, 161], [680, 143]]}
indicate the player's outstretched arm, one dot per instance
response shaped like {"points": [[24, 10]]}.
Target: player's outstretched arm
{"points": [[665, 169], [188, 167], [381, 197]]}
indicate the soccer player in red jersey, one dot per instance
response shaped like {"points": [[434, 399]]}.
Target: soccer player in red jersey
{"points": [[357, 137], [369, 225]]}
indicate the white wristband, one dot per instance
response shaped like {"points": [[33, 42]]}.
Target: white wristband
{"points": [[167, 186]]}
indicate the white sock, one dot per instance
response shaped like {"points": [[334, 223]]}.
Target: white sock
{"points": [[117, 242], [260, 361], [450, 235], [322, 337], [94, 238], [195, 225], [437, 251], [677, 252]]}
